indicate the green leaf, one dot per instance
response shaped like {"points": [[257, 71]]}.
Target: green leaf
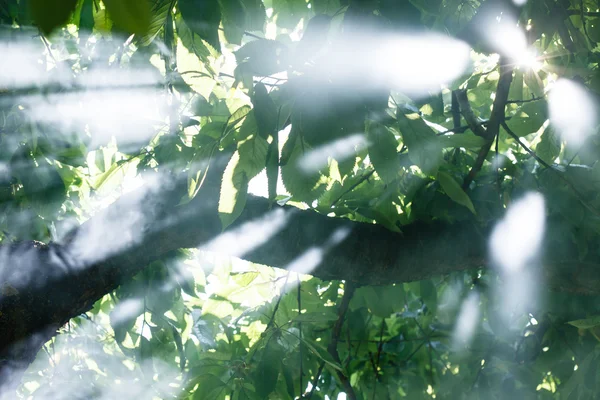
{"points": [[454, 191], [252, 156], [234, 191], [262, 57], [321, 353], [42, 184], [586, 323], [534, 83], [328, 7], [210, 387], [86, 17], [465, 140], [423, 148], [159, 10], [549, 147], [218, 308], [122, 318], [265, 111], [289, 12], [593, 28], [382, 151], [234, 20], [256, 15], [51, 14], [382, 301], [193, 42], [529, 118], [203, 18], [300, 182], [428, 293], [133, 16], [267, 370], [317, 316]]}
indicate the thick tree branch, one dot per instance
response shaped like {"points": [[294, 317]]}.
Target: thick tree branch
{"points": [[43, 286]]}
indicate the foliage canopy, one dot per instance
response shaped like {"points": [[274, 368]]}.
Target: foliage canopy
{"points": [[408, 144]]}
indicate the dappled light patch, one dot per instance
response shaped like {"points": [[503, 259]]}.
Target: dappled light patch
{"points": [[420, 64], [250, 235], [466, 322], [572, 111], [311, 258], [341, 149], [516, 240], [515, 246]]}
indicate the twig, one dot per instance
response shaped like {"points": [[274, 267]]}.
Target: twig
{"points": [[332, 348], [373, 365], [525, 101], [379, 349], [498, 182], [455, 110], [523, 145], [253, 35], [380, 346], [548, 166], [48, 48], [467, 112], [223, 74], [272, 320], [300, 332], [335, 335], [351, 188], [246, 33]]}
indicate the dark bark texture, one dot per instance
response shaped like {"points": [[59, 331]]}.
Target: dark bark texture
{"points": [[43, 286]]}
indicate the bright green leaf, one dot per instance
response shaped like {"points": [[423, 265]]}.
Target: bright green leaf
{"points": [[133, 16], [454, 191], [382, 151], [51, 14]]}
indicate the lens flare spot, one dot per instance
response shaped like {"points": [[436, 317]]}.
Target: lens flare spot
{"points": [[572, 111]]}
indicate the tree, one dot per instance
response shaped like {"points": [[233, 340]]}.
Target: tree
{"points": [[428, 211]]}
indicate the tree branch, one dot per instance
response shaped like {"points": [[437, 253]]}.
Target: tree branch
{"points": [[496, 118], [43, 286]]}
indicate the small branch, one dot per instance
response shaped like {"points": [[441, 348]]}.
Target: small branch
{"points": [[349, 289], [525, 101], [300, 348], [455, 110], [467, 112], [378, 358], [498, 182], [523, 145], [246, 33], [548, 166]]}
